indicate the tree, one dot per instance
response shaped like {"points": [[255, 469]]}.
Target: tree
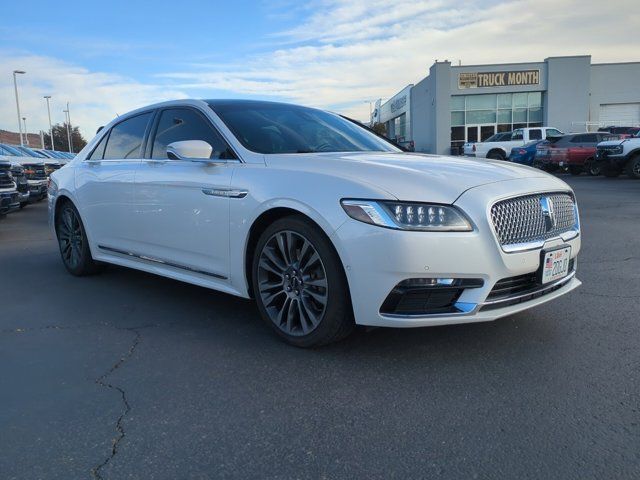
{"points": [[380, 128], [61, 141]]}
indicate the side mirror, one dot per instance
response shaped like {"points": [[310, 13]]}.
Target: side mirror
{"points": [[193, 150]]}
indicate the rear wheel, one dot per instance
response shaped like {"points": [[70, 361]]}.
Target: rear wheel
{"points": [[299, 284], [496, 155], [633, 167], [592, 167], [575, 170], [72, 240]]}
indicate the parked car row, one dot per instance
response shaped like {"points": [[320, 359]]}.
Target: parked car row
{"points": [[500, 145], [610, 151], [24, 175]]}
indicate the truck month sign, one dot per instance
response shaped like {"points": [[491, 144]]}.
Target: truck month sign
{"points": [[498, 79]]}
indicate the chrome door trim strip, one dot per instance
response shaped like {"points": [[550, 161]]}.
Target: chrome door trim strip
{"points": [[161, 261], [225, 192]]}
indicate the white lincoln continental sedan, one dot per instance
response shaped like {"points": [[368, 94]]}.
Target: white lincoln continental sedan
{"points": [[323, 222]]}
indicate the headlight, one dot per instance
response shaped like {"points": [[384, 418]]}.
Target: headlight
{"points": [[407, 215]]}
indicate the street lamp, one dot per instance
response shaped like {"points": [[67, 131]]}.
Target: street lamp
{"points": [[26, 135], [68, 121], [15, 86], [370, 102], [53, 147]]}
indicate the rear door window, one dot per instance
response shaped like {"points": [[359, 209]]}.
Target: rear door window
{"points": [[535, 134], [126, 138], [517, 135]]}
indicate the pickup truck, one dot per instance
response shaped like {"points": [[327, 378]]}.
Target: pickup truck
{"points": [[470, 147], [614, 156], [500, 150], [9, 197], [34, 170]]}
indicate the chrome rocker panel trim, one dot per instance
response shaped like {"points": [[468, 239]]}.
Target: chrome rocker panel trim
{"points": [[161, 261]]}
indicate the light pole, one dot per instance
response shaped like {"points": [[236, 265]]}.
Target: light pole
{"points": [[66, 116], [53, 147], [15, 86], [70, 131], [370, 102], [26, 135]]}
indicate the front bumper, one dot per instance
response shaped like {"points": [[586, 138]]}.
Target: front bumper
{"points": [[9, 202], [604, 157], [37, 189], [377, 259]]}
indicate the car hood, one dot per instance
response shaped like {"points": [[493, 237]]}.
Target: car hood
{"points": [[28, 161], [612, 143], [408, 176]]}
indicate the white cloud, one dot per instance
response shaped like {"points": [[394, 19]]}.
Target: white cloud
{"points": [[350, 51], [95, 98], [342, 53]]}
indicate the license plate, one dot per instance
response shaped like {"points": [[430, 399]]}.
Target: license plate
{"points": [[555, 264]]}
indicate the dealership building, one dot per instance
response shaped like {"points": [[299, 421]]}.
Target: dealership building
{"points": [[455, 104]]}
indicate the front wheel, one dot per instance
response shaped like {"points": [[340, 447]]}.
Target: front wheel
{"points": [[299, 284], [633, 167], [72, 240]]}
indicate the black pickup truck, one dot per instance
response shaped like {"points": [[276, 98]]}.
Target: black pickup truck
{"points": [[9, 197]]}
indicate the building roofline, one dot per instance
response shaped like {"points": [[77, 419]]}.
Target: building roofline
{"points": [[495, 64], [614, 63], [567, 56]]}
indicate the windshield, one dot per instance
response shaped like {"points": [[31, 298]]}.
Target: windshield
{"points": [[31, 153], [265, 127], [13, 150]]}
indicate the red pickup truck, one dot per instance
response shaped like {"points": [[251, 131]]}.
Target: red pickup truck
{"points": [[575, 152]]}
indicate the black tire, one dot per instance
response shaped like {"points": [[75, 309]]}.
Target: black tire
{"points": [[592, 167], [610, 171], [23, 204], [633, 167], [575, 170], [72, 242], [299, 284], [496, 155]]}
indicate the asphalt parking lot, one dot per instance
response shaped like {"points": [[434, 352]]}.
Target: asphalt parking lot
{"points": [[127, 375]]}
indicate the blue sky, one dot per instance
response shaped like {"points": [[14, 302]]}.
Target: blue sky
{"points": [[335, 54]]}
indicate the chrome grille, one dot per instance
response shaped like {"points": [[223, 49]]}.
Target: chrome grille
{"points": [[521, 220]]}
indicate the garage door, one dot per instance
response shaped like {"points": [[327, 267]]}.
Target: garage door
{"points": [[625, 114]]}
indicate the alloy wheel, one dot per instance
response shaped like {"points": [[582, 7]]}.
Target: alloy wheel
{"points": [[70, 237], [292, 283]]}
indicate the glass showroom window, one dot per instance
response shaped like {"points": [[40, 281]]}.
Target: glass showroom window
{"points": [[507, 111]]}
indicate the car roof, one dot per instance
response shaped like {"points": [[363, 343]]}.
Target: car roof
{"points": [[243, 102]]}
